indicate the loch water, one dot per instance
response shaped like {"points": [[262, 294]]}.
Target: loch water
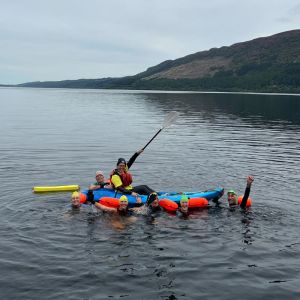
{"points": [[62, 136]]}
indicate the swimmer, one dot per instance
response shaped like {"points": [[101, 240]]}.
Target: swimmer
{"points": [[184, 205], [153, 203], [75, 200], [122, 209], [233, 198]]}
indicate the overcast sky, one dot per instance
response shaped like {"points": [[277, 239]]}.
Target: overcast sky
{"points": [[71, 39]]}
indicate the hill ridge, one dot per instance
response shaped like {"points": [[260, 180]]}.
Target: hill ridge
{"points": [[263, 64]]}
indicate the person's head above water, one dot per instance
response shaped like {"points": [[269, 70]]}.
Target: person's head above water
{"points": [[232, 197], [152, 200], [184, 203], [123, 203], [75, 200]]}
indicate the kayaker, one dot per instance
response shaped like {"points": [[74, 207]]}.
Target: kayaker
{"points": [[121, 178], [233, 198], [101, 182]]}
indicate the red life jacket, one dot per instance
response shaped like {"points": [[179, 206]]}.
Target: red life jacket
{"points": [[126, 177]]}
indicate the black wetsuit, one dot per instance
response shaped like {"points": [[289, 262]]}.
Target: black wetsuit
{"points": [[154, 209], [246, 196], [182, 214]]}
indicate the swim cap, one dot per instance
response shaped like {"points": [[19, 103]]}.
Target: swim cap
{"points": [[123, 198], [75, 194], [231, 192], [151, 198], [121, 161], [184, 198], [99, 173]]}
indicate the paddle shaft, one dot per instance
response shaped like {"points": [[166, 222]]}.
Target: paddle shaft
{"points": [[153, 138]]}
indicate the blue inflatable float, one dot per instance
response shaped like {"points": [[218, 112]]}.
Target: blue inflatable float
{"points": [[174, 196]]}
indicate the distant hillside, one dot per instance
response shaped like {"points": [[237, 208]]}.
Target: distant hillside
{"points": [[269, 64]]}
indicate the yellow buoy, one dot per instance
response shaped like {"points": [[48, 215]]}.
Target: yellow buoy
{"points": [[58, 188]]}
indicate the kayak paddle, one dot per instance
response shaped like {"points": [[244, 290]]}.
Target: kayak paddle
{"points": [[169, 120]]}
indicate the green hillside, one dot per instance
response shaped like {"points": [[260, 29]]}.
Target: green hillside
{"points": [[268, 64]]}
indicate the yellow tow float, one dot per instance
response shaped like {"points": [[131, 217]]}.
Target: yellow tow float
{"points": [[58, 188]]}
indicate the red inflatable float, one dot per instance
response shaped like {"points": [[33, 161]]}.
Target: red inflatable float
{"points": [[82, 198], [172, 206], [109, 202], [198, 202], [168, 205], [248, 203]]}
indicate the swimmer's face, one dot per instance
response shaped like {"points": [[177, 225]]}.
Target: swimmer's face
{"points": [[232, 199], [75, 200], [155, 203], [184, 206], [123, 205]]}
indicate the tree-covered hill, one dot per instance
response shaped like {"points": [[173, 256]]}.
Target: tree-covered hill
{"points": [[267, 64]]}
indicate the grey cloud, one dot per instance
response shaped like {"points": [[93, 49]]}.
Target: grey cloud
{"points": [[72, 39]]}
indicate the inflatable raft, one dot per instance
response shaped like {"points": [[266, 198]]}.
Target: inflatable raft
{"points": [[174, 196]]}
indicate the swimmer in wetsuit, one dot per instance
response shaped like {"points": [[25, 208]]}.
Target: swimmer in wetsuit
{"points": [[153, 203], [122, 209], [232, 196]]}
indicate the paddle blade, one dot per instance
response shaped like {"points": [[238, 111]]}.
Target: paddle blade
{"points": [[170, 118]]}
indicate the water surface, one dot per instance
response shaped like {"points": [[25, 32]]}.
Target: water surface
{"points": [[57, 137]]}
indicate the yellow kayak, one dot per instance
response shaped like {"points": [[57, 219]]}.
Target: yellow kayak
{"points": [[58, 188]]}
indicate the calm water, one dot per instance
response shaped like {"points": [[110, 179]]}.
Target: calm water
{"points": [[57, 137]]}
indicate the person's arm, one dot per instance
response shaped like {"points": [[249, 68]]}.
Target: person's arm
{"points": [[138, 206], [94, 187], [250, 179], [105, 208], [139, 202], [98, 185], [90, 198], [133, 158]]}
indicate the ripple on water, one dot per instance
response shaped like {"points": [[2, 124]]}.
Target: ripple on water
{"points": [[50, 252]]}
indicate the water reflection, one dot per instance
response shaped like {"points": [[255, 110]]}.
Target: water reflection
{"points": [[257, 109], [49, 253]]}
